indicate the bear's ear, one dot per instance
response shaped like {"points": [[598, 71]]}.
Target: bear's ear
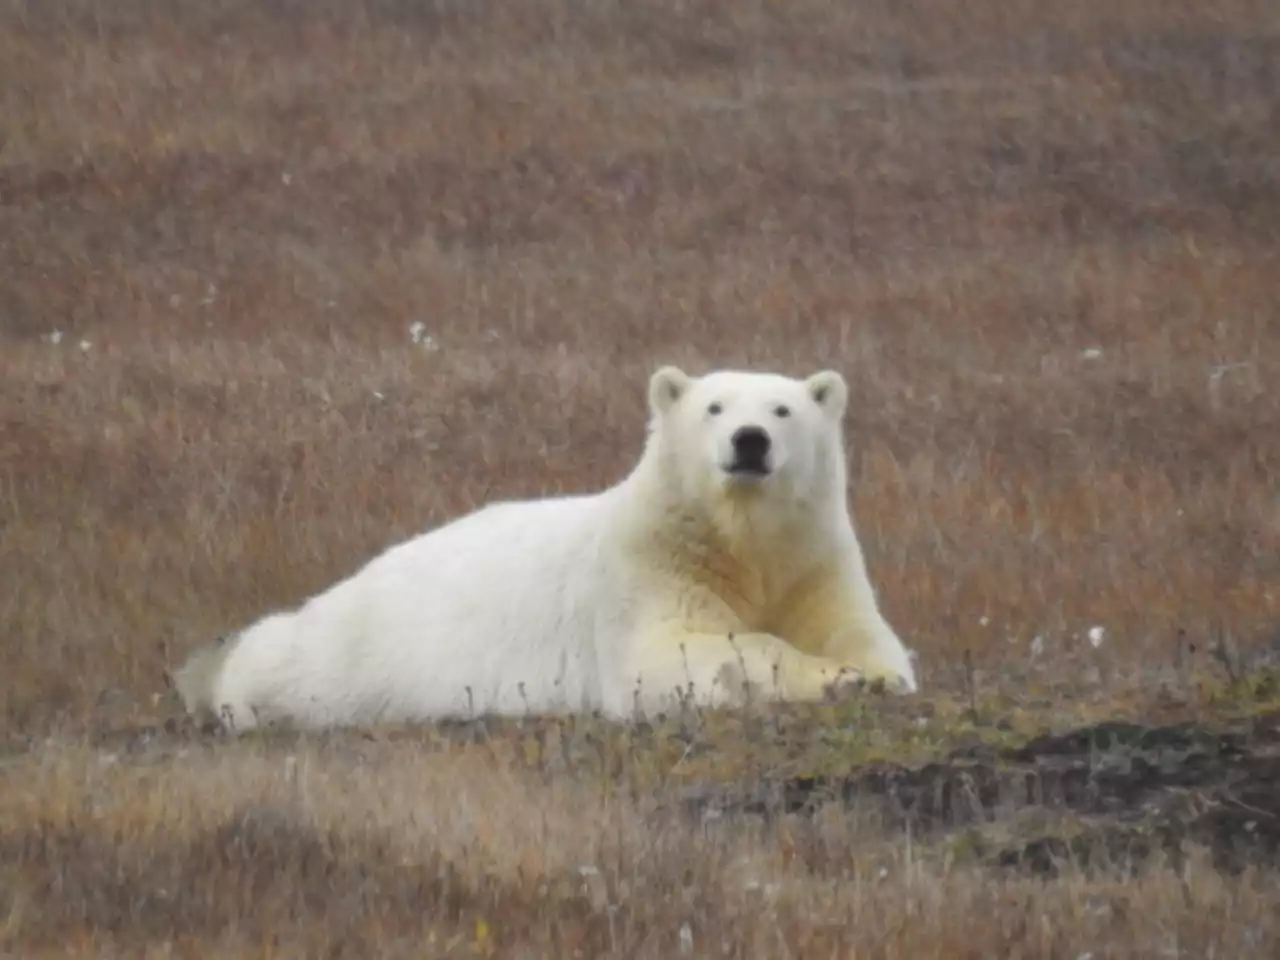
{"points": [[666, 386], [829, 391]]}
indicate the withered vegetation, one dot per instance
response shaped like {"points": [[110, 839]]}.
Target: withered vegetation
{"points": [[1042, 241]]}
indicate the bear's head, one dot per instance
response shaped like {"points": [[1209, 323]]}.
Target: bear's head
{"points": [[749, 434]]}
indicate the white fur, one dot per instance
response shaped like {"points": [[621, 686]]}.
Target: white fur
{"points": [[679, 576]]}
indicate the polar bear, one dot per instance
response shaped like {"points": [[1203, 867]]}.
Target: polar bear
{"points": [[724, 566]]}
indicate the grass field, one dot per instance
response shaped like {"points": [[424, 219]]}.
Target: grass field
{"points": [[282, 283]]}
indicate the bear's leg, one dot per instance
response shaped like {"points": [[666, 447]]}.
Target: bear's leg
{"points": [[196, 679], [201, 685], [715, 669], [836, 616]]}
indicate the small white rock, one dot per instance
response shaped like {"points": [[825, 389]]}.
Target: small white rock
{"points": [[55, 337], [686, 938], [85, 346], [1097, 635], [418, 334], [1091, 353]]}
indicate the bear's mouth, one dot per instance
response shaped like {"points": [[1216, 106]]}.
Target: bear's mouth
{"points": [[748, 470]]}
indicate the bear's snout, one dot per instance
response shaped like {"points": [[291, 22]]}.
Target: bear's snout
{"points": [[750, 451]]}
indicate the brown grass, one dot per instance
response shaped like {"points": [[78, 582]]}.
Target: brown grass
{"points": [[238, 207]]}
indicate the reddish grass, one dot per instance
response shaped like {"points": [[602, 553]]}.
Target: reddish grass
{"points": [[363, 850], [242, 206]]}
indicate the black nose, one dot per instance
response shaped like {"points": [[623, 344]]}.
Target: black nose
{"points": [[750, 446]]}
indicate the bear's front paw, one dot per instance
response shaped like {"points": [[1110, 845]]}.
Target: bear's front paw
{"points": [[851, 680], [897, 684], [893, 683], [846, 682]]}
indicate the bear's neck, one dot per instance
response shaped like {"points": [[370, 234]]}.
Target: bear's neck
{"points": [[747, 545]]}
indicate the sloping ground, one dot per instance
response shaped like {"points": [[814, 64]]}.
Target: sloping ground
{"points": [[572, 837], [1116, 793]]}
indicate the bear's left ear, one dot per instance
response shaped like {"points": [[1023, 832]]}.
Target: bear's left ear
{"points": [[666, 386], [829, 391]]}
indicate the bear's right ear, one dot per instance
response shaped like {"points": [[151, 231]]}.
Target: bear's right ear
{"points": [[666, 386]]}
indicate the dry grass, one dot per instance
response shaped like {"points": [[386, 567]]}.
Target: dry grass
{"points": [[240, 206], [362, 850]]}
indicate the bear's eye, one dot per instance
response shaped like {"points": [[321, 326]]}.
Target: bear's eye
{"points": [[782, 411], [715, 409]]}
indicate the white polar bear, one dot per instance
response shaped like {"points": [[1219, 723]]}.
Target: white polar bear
{"points": [[725, 566]]}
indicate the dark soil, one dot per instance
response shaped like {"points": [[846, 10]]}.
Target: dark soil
{"points": [[1130, 792]]}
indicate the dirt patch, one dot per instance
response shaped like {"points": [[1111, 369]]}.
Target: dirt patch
{"points": [[1117, 792]]}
